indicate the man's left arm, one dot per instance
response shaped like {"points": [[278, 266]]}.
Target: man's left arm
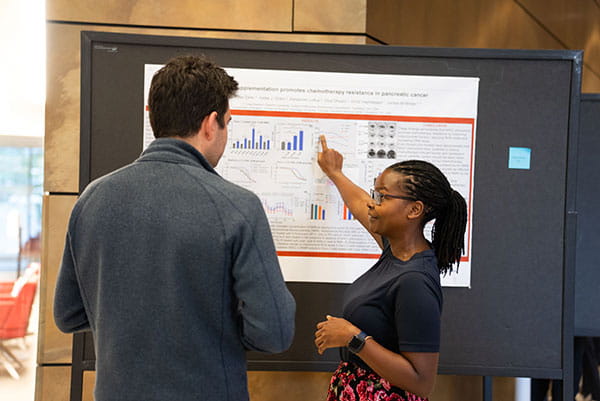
{"points": [[266, 306], [69, 312]]}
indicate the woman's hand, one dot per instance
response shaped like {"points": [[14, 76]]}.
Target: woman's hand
{"points": [[334, 332], [330, 160]]}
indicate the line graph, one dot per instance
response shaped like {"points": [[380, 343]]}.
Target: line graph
{"points": [[290, 173]]}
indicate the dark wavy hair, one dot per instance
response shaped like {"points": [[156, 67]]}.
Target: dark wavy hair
{"points": [[184, 92], [425, 182]]}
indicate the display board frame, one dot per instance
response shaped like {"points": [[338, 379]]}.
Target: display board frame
{"points": [[502, 83], [587, 269]]}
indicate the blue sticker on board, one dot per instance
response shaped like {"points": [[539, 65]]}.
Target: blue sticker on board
{"points": [[519, 158]]}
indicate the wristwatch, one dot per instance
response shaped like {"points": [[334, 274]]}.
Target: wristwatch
{"points": [[358, 342]]}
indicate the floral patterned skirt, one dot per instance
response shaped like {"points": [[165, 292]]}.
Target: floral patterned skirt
{"points": [[353, 383]]}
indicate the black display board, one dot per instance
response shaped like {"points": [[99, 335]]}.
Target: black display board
{"points": [[587, 270], [517, 317]]}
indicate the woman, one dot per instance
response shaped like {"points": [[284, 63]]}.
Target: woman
{"points": [[390, 330]]}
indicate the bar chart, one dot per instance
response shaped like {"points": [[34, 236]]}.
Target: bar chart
{"points": [[253, 141], [346, 214], [317, 212], [295, 143]]}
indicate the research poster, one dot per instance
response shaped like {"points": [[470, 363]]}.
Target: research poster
{"points": [[373, 120]]}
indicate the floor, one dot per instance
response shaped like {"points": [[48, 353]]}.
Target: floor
{"points": [[22, 389]]}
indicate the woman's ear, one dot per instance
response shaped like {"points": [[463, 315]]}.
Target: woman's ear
{"points": [[417, 210]]}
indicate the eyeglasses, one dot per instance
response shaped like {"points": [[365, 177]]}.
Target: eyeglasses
{"points": [[378, 197]]}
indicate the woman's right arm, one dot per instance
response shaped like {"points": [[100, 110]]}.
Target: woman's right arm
{"points": [[356, 198]]}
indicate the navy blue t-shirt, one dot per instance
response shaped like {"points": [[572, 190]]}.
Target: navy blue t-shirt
{"points": [[398, 303]]}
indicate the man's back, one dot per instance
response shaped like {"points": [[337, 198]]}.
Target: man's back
{"points": [[178, 274]]}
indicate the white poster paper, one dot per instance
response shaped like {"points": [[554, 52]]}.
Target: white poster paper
{"points": [[374, 120]]}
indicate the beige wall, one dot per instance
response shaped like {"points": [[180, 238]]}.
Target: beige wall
{"points": [[526, 24]]}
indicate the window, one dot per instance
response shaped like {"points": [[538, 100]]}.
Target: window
{"points": [[21, 188]]}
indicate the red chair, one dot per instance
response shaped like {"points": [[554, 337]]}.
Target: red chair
{"points": [[6, 288], [15, 310]]}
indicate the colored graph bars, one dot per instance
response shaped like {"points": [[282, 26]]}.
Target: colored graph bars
{"points": [[253, 143], [346, 215], [317, 212], [297, 142]]}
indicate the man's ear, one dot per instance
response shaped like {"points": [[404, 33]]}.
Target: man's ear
{"points": [[210, 125], [417, 210]]}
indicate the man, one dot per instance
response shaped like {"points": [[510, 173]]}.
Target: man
{"points": [[172, 267]]}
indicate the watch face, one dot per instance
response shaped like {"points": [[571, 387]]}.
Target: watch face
{"points": [[356, 344]]}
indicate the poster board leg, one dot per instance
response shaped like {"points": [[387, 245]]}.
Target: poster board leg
{"points": [[487, 388], [77, 367]]}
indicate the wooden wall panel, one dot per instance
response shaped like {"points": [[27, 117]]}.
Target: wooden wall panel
{"points": [[503, 24], [291, 386], [89, 381], [262, 15], [576, 23], [383, 20], [61, 161], [591, 81], [53, 383], [53, 345], [468, 23], [330, 16], [301, 386], [61, 141], [453, 388]]}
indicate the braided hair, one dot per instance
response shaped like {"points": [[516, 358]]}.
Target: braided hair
{"points": [[425, 182]]}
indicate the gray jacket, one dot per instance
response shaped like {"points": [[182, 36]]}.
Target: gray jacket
{"points": [[174, 270]]}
